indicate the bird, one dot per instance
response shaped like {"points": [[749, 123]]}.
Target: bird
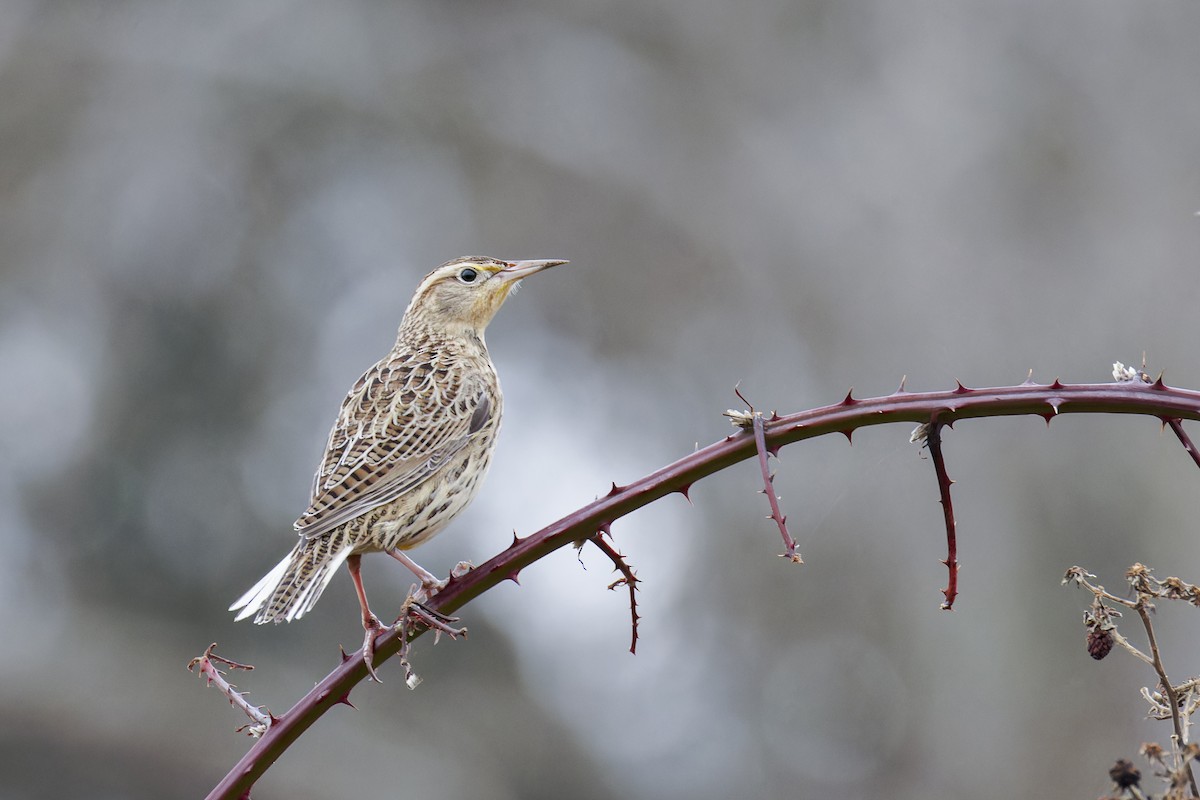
{"points": [[409, 449]]}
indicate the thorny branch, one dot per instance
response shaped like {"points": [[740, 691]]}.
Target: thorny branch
{"points": [[1133, 397], [931, 433], [260, 719], [1176, 426], [1123, 374], [628, 578], [753, 420]]}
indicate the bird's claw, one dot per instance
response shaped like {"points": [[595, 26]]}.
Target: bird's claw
{"points": [[372, 627]]}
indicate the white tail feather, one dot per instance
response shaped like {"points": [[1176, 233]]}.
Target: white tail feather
{"points": [[258, 598], [258, 595], [307, 598]]}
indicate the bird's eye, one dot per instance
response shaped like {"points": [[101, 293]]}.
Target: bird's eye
{"points": [[468, 275]]}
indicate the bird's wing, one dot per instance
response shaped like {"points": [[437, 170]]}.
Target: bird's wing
{"points": [[398, 426]]}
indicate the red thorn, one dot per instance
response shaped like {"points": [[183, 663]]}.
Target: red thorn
{"points": [[1056, 385], [774, 450], [345, 656], [850, 401], [960, 389], [604, 529], [514, 576], [685, 490], [774, 416], [1047, 416], [345, 700], [1158, 384], [615, 490], [849, 434], [516, 541]]}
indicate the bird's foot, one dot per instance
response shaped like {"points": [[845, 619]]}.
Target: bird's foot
{"points": [[415, 612], [372, 627]]}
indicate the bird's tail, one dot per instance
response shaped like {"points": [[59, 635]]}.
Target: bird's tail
{"points": [[289, 590]]}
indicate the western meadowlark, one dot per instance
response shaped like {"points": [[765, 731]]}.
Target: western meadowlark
{"points": [[409, 449]]}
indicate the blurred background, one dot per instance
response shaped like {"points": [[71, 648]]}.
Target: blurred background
{"points": [[214, 215]]}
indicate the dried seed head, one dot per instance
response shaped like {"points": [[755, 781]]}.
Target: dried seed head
{"points": [[1076, 575], [1099, 643], [740, 419], [1176, 589], [1140, 579], [1124, 774], [1122, 373], [1152, 751]]}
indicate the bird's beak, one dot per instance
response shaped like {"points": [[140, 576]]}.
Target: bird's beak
{"points": [[517, 270]]}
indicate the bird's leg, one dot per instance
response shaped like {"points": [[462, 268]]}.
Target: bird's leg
{"points": [[430, 585], [371, 624]]}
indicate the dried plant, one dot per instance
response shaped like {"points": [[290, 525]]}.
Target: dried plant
{"points": [[1177, 702]]}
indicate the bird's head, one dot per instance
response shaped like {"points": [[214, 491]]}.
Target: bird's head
{"points": [[463, 295]]}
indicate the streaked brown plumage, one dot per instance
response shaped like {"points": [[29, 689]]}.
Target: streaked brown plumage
{"points": [[411, 444]]}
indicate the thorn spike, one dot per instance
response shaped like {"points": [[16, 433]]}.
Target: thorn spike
{"points": [[686, 490], [849, 401], [903, 380], [1056, 385], [849, 434], [515, 576], [959, 388], [1029, 379]]}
